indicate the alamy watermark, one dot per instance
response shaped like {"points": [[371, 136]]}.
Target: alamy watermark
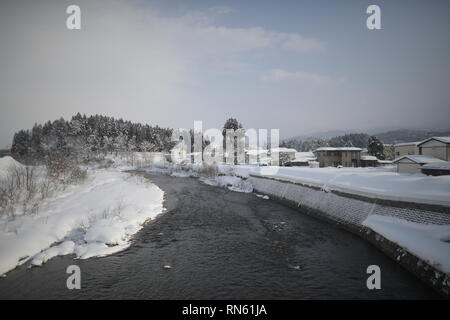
{"points": [[228, 146], [74, 280], [374, 280]]}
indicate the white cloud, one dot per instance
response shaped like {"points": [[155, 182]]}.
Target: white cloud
{"points": [[126, 61], [301, 78], [198, 36], [298, 43]]}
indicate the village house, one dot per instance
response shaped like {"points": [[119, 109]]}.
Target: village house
{"points": [[369, 161], [341, 156], [436, 168], [432, 158], [302, 159], [257, 156], [438, 147], [412, 163], [282, 155], [389, 151]]}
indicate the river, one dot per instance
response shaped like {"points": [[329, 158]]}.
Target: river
{"points": [[224, 245]]}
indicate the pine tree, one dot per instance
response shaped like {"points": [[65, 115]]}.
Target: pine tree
{"points": [[376, 148]]}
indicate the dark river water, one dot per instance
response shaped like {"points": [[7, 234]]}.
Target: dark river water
{"points": [[224, 245]]}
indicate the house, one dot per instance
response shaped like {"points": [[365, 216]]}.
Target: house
{"points": [[438, 147], [341, 156], [413, 163], [389, 151], [257, 156], [383, 163], [369, 161], [436, 168], [403, 149], [282, 155], [297, 163], [302, 159]]}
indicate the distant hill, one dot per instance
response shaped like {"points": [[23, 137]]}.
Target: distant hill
{"points": [[4, 152], [306, 143], [399, 136]]}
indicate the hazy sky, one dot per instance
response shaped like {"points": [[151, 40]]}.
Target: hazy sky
{"points": [[300, 66]]}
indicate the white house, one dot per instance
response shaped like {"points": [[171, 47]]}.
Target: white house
{"points": [[412, 163], [438, 147], [436, 168], [281, 155]]}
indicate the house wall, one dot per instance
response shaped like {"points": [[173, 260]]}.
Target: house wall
{"points": [[326, 161], [348, 156], [406, 150], [282, 155], [436, 149], [408, 168], [344, 158], [434, 172]]}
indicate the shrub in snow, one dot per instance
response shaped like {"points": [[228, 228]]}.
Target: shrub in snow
{"points": [[209, 170], [23, 187]]}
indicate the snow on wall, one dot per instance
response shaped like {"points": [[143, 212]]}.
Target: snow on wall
{"points": [[342, 208]]}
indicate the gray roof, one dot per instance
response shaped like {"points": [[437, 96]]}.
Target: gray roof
{"points": [[445, 165], [420, 159], [440, 139], [338, 149], [414, 143]]}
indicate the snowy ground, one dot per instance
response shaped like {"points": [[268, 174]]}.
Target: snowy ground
{"points": [[381, 182], [230, 177], [5, 164], [431, 243], [95, 218]]}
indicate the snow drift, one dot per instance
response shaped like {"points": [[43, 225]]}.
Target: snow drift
{"points": [[96, 218]]}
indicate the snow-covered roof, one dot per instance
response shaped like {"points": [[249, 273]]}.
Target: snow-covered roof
{"points": [[283, 150], [338, 149], [440, 139], [385, 161], [369, 158], [404, 144], [445, 165], [420, 159], [299, 160], [304, 156], [256, 151]]}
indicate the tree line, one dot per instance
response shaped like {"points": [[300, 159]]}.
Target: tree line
{"points": [[88, 136], [359, 140]]}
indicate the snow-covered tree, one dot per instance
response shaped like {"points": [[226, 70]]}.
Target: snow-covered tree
{"points": [[376, 148]]}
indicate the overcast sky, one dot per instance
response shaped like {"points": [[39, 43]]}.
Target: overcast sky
{"points": [[300, 66]]}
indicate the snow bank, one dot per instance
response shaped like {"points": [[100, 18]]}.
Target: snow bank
{"points": [[382, 182], [228, 176], [96, 218], [6, 163], [431, 243]]}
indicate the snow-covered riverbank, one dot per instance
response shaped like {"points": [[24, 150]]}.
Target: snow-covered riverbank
{"points": [[429, 242], [95, 218], [383, 182]]}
